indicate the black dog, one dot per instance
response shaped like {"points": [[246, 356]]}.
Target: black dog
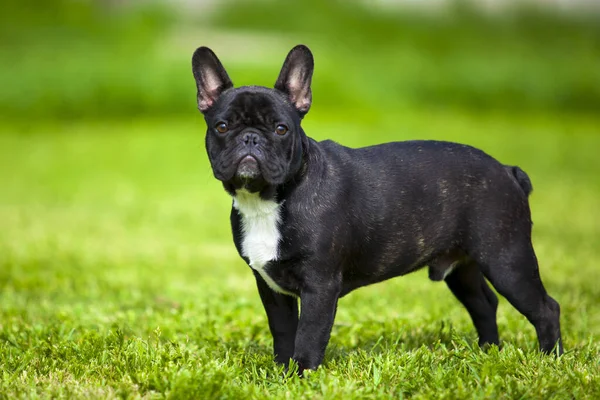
{"points": [[316, 220]]}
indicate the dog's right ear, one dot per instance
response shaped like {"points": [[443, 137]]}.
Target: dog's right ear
{"points": [[211, 78]]}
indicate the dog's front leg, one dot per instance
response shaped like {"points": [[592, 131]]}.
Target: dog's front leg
{"points": [[282, 313], [318, 307]]}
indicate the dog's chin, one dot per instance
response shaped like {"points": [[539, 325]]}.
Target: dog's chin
{"points": [[252, 185]]}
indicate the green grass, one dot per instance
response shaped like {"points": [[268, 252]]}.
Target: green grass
{"points": [[118, 276]]}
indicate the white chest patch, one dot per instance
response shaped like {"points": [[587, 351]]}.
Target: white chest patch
{"points": [[260, 232]]}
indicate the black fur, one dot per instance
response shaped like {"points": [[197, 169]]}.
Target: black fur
{"points": [[522, 179], [353, 217]]}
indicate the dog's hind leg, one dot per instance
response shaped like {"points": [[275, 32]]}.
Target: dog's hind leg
{"points": [[513, 271], [469, 286]]}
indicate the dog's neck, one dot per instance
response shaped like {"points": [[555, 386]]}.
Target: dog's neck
{"points": [[312, 160]]}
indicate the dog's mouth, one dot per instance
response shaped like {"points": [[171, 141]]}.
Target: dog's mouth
{"points": [[248, 172], [248, 169], [248, 176]]}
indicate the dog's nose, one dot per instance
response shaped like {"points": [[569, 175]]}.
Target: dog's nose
{"points": [[250, 139]]}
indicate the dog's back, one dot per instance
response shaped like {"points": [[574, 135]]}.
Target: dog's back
{"points": [[410, 204]]}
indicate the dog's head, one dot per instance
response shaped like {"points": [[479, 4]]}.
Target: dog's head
{"points": [[254, 139]]}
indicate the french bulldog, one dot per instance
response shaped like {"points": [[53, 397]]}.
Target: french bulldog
{"points": [[316, 220]]}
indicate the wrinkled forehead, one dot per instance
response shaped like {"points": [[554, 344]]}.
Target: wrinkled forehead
{"points": [[255, 105]]}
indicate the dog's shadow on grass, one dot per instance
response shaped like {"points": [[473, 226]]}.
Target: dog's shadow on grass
{"points": [[372, 338], [380, 338]]}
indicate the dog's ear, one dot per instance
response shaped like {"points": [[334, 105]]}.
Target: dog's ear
{"points": [[295, 77], [211, 78]]}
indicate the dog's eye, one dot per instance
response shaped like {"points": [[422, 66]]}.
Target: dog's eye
{"points": [[221, 127], [281, 129]]}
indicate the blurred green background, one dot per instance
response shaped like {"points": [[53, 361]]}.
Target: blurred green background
{"points": [[104, 59], [111, 223]]}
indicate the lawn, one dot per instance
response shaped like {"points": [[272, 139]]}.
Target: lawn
{"points": [[119, 278]]}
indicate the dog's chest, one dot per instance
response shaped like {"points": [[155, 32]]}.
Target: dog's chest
{"points": [[260, 232]]}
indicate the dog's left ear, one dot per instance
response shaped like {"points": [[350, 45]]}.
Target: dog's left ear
{"points": [[211, 78], [295, 78]]}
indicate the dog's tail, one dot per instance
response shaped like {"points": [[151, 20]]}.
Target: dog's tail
{"points": [[521, 177]]}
